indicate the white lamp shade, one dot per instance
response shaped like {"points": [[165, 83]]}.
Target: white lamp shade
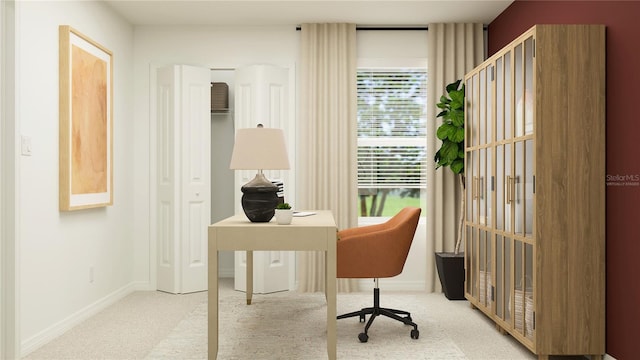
{"points": [[259, 149]]}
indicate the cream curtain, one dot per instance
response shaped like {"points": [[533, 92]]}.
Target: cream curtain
{"points": [[453, 50], [327, 139]]}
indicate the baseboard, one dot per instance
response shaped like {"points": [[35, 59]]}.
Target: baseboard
{"points": [[33, 343], [608, 357]]}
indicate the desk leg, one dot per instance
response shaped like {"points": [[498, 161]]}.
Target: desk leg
{"points": [[330, 289], [213, 300], [326, 276], [249, 277]]}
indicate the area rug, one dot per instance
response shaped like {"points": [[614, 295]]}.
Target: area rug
{"points": [[291, 325]]}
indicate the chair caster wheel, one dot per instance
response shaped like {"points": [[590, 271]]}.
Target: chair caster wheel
{"points": [[362, 318], [364, 337], [414, 334]]}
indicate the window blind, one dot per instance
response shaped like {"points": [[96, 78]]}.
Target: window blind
{"points": [[391, 128]]}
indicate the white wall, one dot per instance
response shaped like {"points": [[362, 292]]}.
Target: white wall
{"points": [[57, 249]]}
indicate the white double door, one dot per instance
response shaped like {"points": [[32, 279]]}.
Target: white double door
{"points": [[183, 172], [264, 95]]}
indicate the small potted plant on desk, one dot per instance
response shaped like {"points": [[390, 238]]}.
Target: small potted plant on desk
{"points": [[284, 214], [450, 266]]}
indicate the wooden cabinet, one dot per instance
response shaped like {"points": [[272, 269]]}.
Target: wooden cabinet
{"points": [[535, 189]]}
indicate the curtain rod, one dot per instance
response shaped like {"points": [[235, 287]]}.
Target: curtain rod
{"points": [[393, 28]]}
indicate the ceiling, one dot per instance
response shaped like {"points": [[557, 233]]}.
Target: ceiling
{"points": [[296, 12]]}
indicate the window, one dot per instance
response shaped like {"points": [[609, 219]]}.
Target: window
{"points": [[391, 140]]}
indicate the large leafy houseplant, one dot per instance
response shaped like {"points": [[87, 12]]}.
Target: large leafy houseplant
{"points": [[451, 154], [451, 133]]}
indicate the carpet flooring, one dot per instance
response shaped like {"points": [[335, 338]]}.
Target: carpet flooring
{"points": [[285, 325], [292, 326]]}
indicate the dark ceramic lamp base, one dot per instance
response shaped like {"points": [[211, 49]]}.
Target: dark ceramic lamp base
{"points": [[259, 199]]}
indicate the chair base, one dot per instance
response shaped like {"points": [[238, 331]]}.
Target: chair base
{"points": [[376, 311]]}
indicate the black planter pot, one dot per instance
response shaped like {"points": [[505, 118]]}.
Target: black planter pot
{"points": [[450, 268]]}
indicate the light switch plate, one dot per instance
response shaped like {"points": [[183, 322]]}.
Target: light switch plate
{"points": [[25, 145]]}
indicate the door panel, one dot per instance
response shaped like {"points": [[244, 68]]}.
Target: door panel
{"points": [[196, 176], [183, 177], [263, 96], [168, 233]]}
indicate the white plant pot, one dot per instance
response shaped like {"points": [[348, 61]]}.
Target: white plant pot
{"points": [[284, 216]]}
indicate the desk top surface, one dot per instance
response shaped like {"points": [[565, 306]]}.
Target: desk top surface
{"points": [[321, 218]]}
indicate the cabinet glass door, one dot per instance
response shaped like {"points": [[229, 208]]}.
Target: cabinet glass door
{"points": [[508, 97], [499, 285], [528, 306], [488, 189], [485, 105], [472, 116], [518, 180], [500, 187], [524, 87], [517, 305], [499, 81], [518, 82], [524, 187], [507, 297], [471, 170], [480, 188], [508, 188], [469, 260], [529, 187], [485, 273], [482, 106], [523, 309], [468, 112], [504, 279], [527, 102], [489, 113], [473, 257]]}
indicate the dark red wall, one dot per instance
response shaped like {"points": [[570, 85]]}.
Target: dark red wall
{"points": [[622, 19]]}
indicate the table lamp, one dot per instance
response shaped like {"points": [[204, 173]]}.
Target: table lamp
{"points": [[259, 149]]}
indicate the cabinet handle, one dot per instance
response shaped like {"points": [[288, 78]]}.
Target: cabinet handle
{"points": [[508, 185], [512, 187]]}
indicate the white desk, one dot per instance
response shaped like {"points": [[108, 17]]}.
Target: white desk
{"points": [[310, 233]]}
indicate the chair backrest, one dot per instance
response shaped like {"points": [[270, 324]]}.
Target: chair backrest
{"points": [[377, 251]]}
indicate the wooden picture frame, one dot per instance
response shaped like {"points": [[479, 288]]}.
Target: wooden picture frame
{"points": [[86, 122]]}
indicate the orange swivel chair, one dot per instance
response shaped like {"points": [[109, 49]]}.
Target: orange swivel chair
{"points": [[378, 251]]}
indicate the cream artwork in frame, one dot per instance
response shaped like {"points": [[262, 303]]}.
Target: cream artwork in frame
{"points": [[86, 126]]}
